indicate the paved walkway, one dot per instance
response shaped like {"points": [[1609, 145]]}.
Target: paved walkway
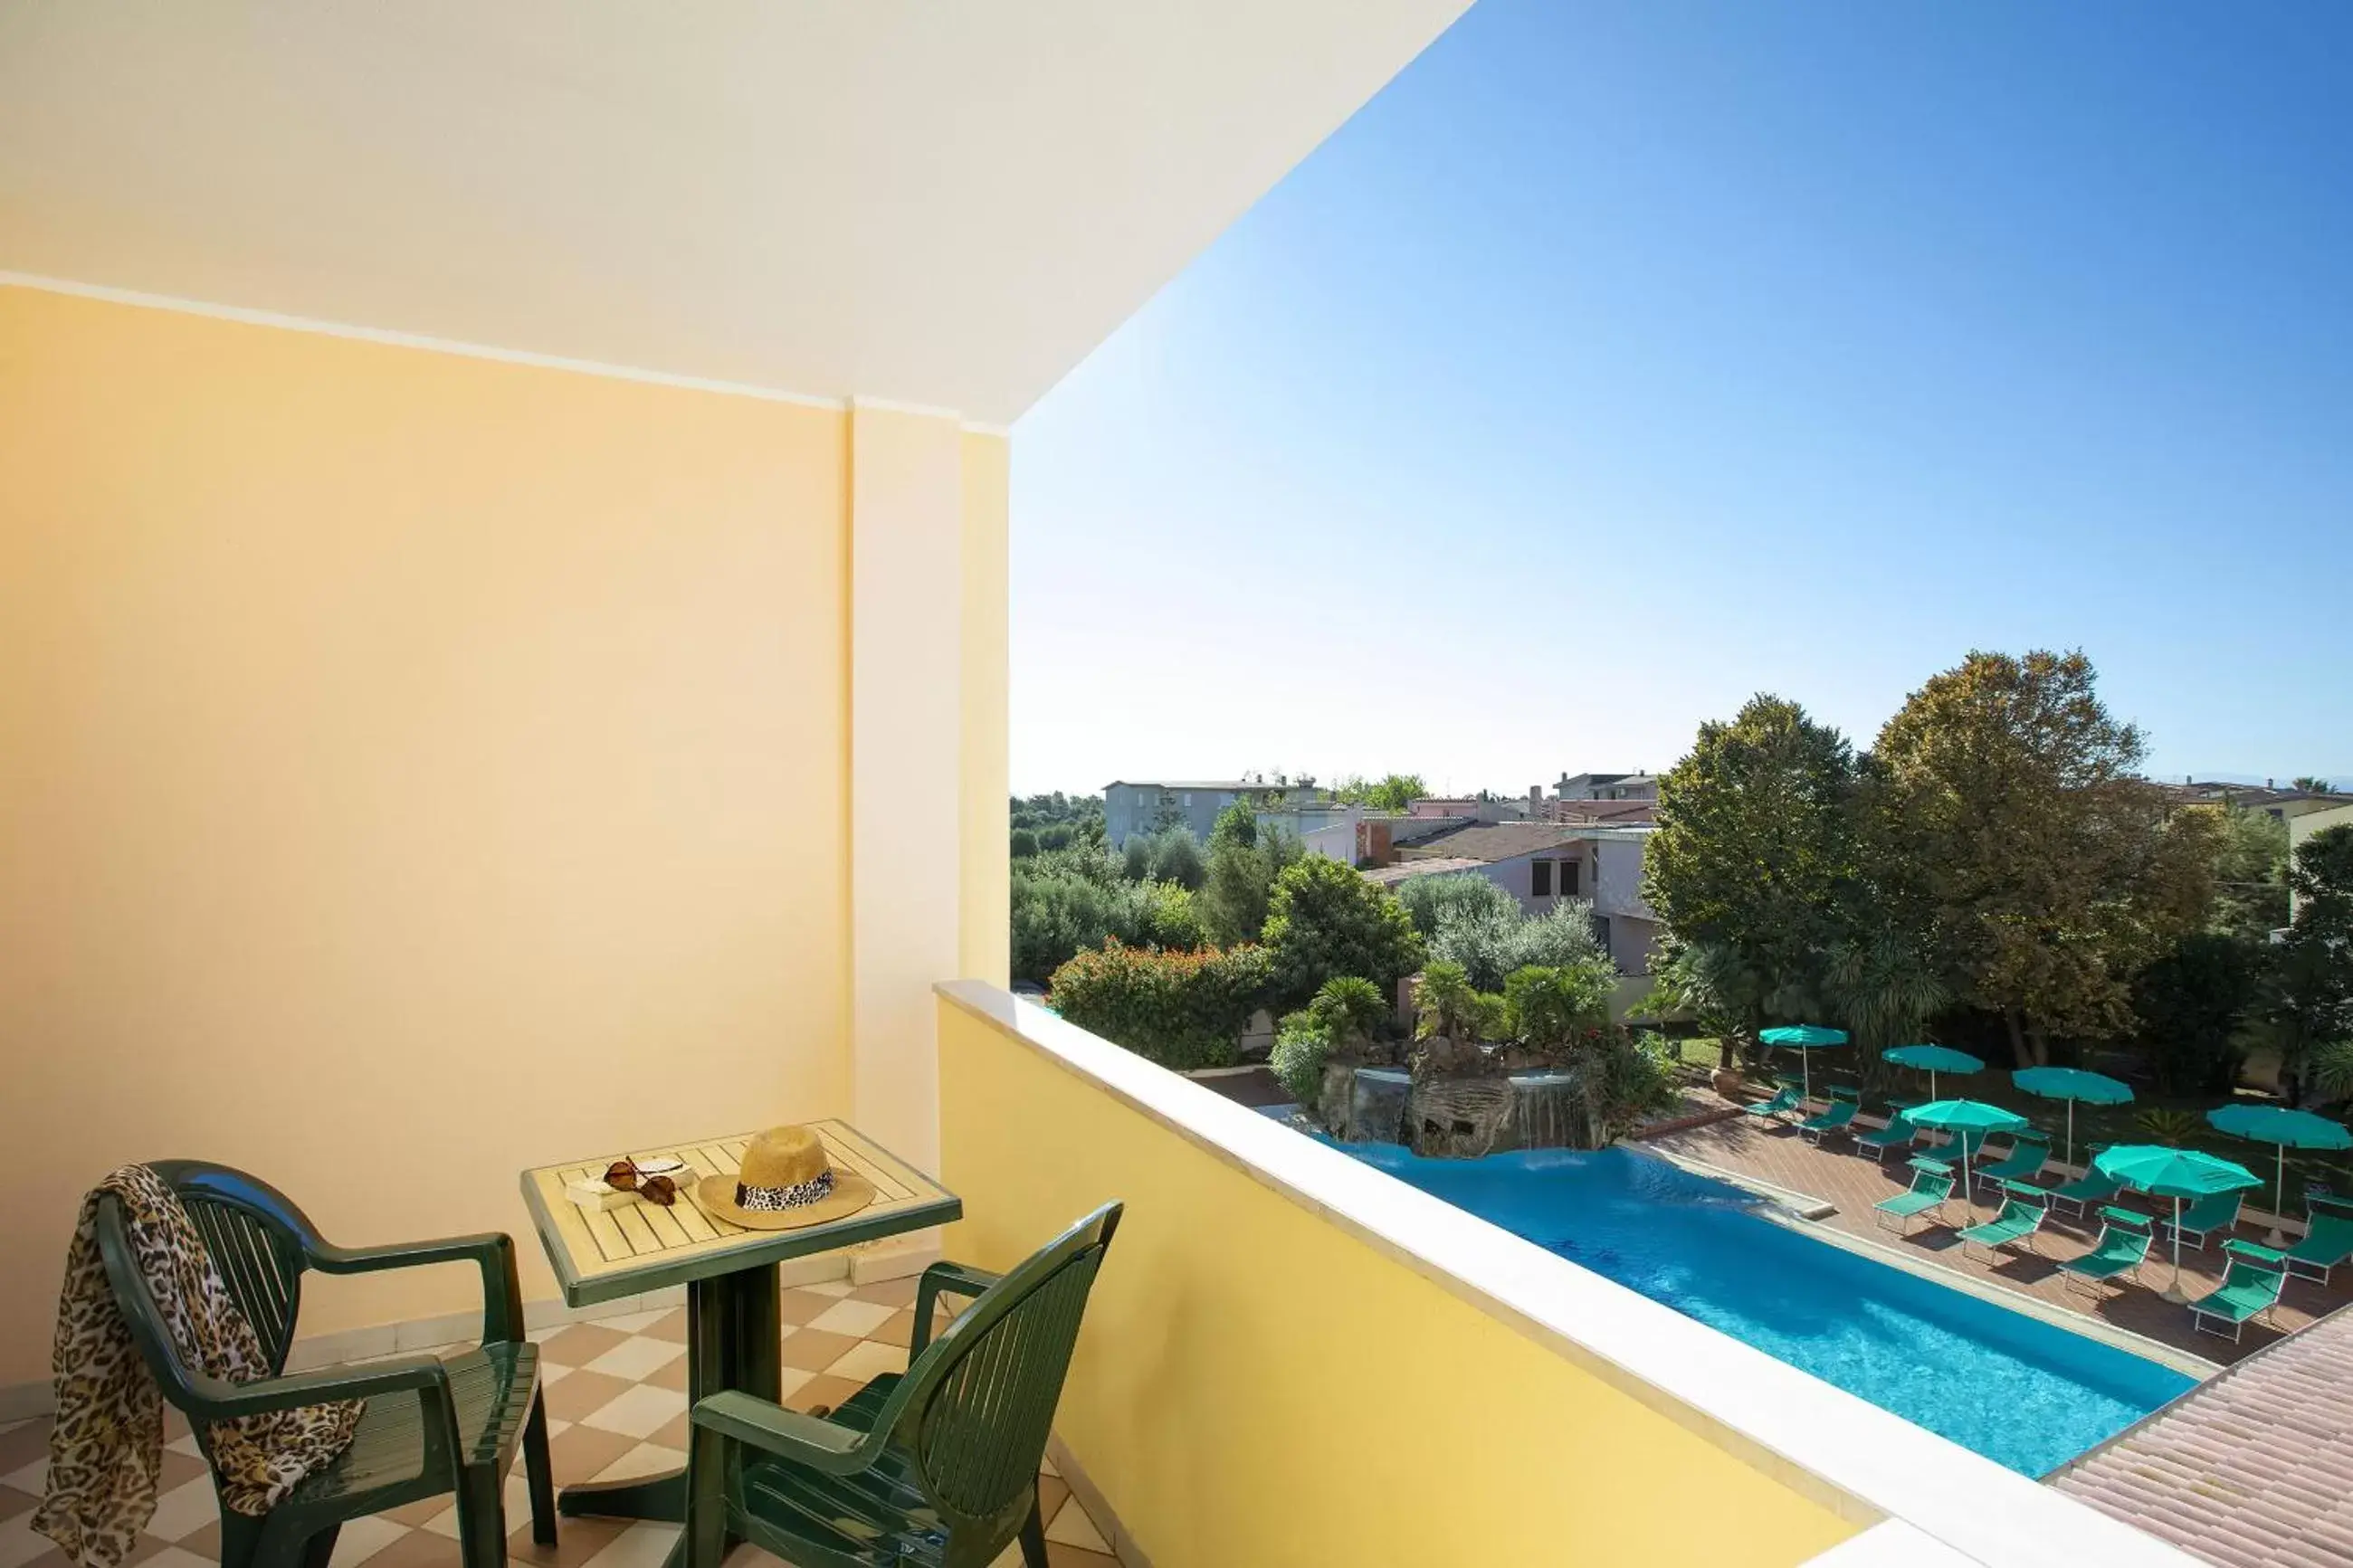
{"points": [[1775, 1152]]}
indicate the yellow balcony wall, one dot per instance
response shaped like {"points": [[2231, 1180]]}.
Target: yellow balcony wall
{"points": [[1258, 1385]]}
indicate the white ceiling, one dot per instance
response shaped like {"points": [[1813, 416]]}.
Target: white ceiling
{"points": [[943, 202]]}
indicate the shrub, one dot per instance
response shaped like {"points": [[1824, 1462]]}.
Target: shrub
{"points": [[1244, 862], [1302, 1045], [1549, 1007], [1166, 916], [1449, 1004], [1433, 900], [2164, 1124], [1180, 1009], [1025, 842], [1323, 920], [1492, 945], [1068, 901], [1351, 1009], [1176, 857], [1637, 1082]]}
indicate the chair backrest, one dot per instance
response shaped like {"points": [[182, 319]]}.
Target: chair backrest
{"points": [[2130, 1232], [2327, 1217], [254, 1236], [1839, 1092], [981, 1398], [1936, 1183], [2021, 1202], [2214, 1210], [2031, 1139]]}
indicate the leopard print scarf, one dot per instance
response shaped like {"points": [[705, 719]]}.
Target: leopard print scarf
{"points": [[107, 1447]]}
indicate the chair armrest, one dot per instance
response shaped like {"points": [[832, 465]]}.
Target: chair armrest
{"points": [[949, 1278], [492, 1252], [215, 1399], [807, 1440]]}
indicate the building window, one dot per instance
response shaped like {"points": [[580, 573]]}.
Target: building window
{"points": [[1568, 878], [1540, 879]]}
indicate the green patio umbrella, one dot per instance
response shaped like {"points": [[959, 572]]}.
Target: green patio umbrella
{"points": [[1932, 1061], [1966, 1118], [2167, 1173], [2289, 1129], [2072, 1084], [1804, 1039]]}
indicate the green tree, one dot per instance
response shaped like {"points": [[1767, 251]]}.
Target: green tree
{"points": [[2009, 827], [2306, 1002], [1392, 792], [2191, 1003], [2310, 783], [1244, 861], [1323, 920], [1754, 849], [1490, 945], [2250, 872], [1455, 895], [1024, 843]]}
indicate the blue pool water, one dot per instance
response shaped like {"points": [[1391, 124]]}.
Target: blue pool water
{"points": [[2021, 1391]]}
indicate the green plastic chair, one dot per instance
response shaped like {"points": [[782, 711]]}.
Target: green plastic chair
{"points": [[2029, 1153], [2085, 1190], [1898, 1134], [934, 1468], [2021, 1216], [2123, 1248], [430, 1427], [2327, 1238], [1784, 1101], [1932, 1188], [1836, 1117], [2216, 1212], [2250, 1287]]}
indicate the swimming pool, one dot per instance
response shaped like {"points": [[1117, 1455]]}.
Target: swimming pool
{"points": [[2022, 1392]]}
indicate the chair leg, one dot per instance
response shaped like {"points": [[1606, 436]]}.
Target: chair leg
{"points": [[706, 1498], [481, 1517], [536, 1470], [1033, 1537]]}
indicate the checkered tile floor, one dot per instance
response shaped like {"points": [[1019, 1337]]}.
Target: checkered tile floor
{"points": [[616, 1407]]}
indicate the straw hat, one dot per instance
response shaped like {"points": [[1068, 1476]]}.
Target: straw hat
{"points": [[786, 1183]]}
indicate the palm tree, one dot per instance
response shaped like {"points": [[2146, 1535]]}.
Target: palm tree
{"points": [[1883, 989]]}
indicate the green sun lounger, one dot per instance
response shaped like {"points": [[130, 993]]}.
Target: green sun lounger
{"points": [[2218, 1212], [1787, 1101], [1931, 1189], [2123, 1248], [2085, 1190], [2250, 1287], [1835, 1118], [2029, 1153], [1899, 1135], [2022, 1213], [2327, 1238]]}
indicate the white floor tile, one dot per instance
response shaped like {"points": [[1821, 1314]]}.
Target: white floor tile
{"points": [[548, 1375], [1071, 1527], [518, 1506], [637, 1412], [645, 1460], [185, 1509], [185, 1443], [642, 1545], [176, 1557], [831, 1287], [868, 1359], [634, 1322], [33, 1478], [637, 1358], [855, 1318], [361, 1539], [20, 1541]]}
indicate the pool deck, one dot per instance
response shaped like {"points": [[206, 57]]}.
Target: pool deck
{"points": [[1777, 1154]]}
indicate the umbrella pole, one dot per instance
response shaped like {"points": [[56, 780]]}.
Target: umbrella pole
{"points": [[2278, 1238], [2174, 1292], [2071, 1134]]}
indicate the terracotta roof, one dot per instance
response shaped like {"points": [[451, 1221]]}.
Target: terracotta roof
{"points": [[2252, 1468], [1495, 841]]}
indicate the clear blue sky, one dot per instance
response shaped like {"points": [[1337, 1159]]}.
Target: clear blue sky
{"points": [[1623, 359]]}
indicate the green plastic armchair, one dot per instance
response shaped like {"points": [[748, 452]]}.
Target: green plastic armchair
{"points": [[430, 1427], [935, 1468]]}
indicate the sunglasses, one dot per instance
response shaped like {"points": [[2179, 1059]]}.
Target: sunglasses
{"points": [[625, 1176]]}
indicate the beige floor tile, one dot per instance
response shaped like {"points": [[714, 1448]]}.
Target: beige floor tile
{"points": [[183, 1510], [850, 1315], [31, 1478], [583, 1392], [1052, 1493], [1061, 1554], [831, 1287], [636, 1412], [577, 1540], [829, 1392], [14, 1502], [360, 1540], [24, 1443], [645, 1460], [899, 1292], [814, 1349], [799, 1305], [581, 1452], [671, 1326], [670, 1375], [1071, 1527], [638, 1357], [635, 1322], [579, 1344], [642, 1545], [867, 1360], [420, 1549], [20, 1544]]}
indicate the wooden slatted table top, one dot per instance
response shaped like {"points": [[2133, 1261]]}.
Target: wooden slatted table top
{"points": [[639, 1247]]}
